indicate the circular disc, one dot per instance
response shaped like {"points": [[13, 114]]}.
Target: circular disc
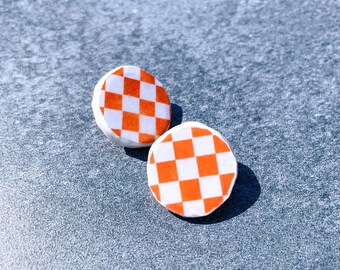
{"points": [[191, 170], [131, 106]]}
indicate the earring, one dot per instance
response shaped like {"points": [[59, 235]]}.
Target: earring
{"points": [[131, 107], [191, 170]]}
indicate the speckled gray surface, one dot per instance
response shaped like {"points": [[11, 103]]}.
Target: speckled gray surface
{"points": [[263, 73]]}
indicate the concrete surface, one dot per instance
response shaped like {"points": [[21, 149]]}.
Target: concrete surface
{"points": [[263, 73]]}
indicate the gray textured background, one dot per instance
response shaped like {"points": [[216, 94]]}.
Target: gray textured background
{"points": [[263, 73]]}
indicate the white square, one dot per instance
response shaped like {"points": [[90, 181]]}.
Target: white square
{"points": [[113, 118], [132, 72], [152, 174], [210, 186], [130, 104], [130, 135], [203, 145], [115, 84], [147, 124], [101, 98], [226, 163], [182, 134], [165, 152], [162, 110], [147, 91], [170, 192], [193, 208], [187, 169]]}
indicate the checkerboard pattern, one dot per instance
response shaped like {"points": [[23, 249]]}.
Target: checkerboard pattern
{"points": [[135, 105], [191, 171]]}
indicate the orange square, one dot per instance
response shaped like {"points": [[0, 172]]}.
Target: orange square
{"points": [[104, 86], [155, 191], [167, 171], [212, 203], [146, 138], [130, 121], [226, 182], [147, 107], [207, 165], [168, 138], [161, 95], [197, 132], [146, 77], [161, 125], [113, 101], [117, 131], [220, 146], [119, 72], [152, 159], [131, 87], [190, 190], [176, 208], [183, 149]]}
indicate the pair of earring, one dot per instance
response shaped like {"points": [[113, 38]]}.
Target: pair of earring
{"points": [[191, 169]]}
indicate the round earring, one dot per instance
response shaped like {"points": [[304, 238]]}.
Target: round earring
{"points": [[191, 170], [131, 107]]}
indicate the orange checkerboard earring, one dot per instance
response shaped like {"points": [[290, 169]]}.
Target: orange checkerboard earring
{"points": [[131, 106], [191, 170]]}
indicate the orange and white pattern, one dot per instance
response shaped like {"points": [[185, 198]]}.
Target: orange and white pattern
{"points": [[191, 170], [131, 106]]}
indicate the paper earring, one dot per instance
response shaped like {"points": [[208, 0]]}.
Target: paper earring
{"points": [[191, 170], [131, 107]]}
